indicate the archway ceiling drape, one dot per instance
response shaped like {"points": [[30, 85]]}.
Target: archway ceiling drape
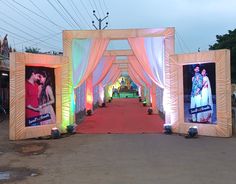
{"points": [[132, 67], [148, 64], [102, 69], [86, 56], [114, 71], [135, 78], [137, 68], [150, 54], [115, 77]]}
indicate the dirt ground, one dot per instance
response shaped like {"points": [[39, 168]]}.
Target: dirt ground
{"points": [[118, 158]]}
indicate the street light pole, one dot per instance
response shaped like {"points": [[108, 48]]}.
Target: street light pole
{"points": [[100, 21]]}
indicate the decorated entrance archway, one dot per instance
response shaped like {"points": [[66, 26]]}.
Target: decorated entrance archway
{"points": [[168, 79], [147, 63]]}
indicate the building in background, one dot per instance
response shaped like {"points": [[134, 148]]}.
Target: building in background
{"points": [[4, 72]]}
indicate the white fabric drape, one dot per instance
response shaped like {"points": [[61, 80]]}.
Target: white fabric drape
{"points": [[150, 54], [135, 77], [86, 56], [95, 94], [138, 70], [113, 72], [80, 97], [102, 69]]}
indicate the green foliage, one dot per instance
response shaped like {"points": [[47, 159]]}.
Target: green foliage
{"points": [[32, 50], [227, 41]]}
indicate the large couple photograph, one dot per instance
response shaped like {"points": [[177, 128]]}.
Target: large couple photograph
{"points": [[199, 93], [39, 96]]}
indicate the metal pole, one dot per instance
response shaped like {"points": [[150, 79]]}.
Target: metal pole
{"points": [[100, 21]]}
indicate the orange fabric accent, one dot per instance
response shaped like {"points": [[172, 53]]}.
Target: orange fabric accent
{"points": [[89, 92]]}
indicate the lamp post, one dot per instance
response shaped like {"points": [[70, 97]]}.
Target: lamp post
{"points": [[100, 21]]}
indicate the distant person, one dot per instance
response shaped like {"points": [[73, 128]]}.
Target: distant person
{"points": [[122, 83], [206, 98], [115, 91], [46, 98], [31, 97], [196, 93]]}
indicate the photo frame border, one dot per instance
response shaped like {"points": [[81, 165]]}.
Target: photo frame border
{"points": [[221, 58], [18, 62]]}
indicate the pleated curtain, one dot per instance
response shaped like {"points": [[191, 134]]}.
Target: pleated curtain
{"points": [[150, 55], [86, 56]]}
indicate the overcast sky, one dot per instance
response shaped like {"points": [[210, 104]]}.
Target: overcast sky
{"points": [[197, 22]]}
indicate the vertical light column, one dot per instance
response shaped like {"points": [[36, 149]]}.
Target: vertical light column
{"points": [[139, 90], [89, 93], [154, 99], [107, 96], [147, 95], [142, 92], [68, 105], [169, 50], [101, 94]]}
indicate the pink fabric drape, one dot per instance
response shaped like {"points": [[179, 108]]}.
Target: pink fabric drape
{"points": [[153, 98], [137, 81], [99, 45], [137, 68], [89, 92], [107, 67], [115, 76], [109, 78], [143, 85], [138, 46], [113, 71], [135, 77], [101, 94]]}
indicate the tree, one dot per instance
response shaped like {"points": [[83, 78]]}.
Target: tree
{"points": [[227, 41], [32, 50]]}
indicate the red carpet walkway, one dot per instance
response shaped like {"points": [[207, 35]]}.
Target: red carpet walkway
{"points": [[122, 116]]}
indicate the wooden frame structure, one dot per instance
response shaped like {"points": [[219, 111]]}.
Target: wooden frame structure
{"points": [[173, 82], [221, 58], [124, 34], [18, 61]]}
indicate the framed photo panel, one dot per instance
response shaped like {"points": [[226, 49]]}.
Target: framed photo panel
{"points": [[201, 93], [199, 87], [38, 84], [40, 100]]}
